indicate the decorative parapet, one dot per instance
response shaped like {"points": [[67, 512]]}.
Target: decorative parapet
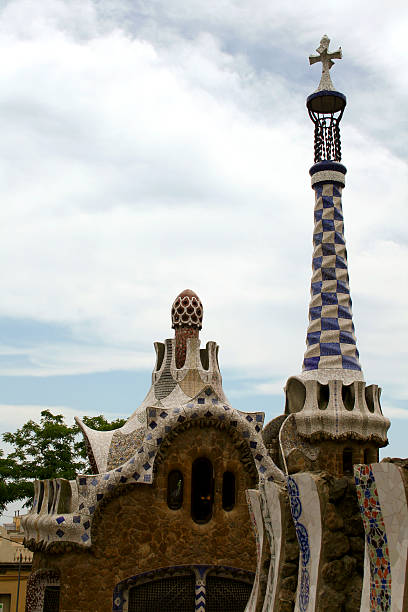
{"points": [[171, 387], [333, 409], [50, 523]]}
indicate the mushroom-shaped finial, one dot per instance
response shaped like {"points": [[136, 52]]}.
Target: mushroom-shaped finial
{"points": [[187, 310]]}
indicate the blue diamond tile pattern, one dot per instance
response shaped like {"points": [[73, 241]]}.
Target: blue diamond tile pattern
{"points": [[330, 340]]}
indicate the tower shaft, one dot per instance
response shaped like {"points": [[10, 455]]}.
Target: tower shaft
{"points": [[330, 340]]}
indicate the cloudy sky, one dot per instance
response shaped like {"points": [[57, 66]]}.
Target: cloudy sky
{"points": [[151, 146]]}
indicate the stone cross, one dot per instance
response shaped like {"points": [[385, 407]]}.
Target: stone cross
{"points": [[326, 57]]}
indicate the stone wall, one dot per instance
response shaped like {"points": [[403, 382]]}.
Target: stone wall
{"points": [[137, 532], [342, 557]]}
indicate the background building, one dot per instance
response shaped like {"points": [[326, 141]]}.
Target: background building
{"points": [[15, 566]]}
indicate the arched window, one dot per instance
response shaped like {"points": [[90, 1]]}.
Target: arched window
{"points": [[175, 486], [347, 461], [323, 396], [202, 490], [228, 491]]}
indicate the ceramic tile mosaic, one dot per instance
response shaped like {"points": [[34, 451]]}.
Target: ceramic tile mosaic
{"points": [[305, 509], [393, 501], [270, 497], [90, 490], [255, 513], [331, 341], [376, 537]]}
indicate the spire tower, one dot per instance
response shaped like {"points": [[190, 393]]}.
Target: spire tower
{"points": [[330, 400]]}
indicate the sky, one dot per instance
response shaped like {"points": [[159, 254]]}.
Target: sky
{"points": [[151, 146]]}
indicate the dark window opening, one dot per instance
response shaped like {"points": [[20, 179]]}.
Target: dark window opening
{"points": [[159, 346], [205, 358], [323, 396], [366, 455], [202, 490], [347, 461], [348, 396], [51, 599], [175, 488], [50, 495], [40, 497], [369, 397], [228, 491]]}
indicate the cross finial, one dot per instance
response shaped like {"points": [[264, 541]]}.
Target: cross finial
{"points": [[326, 57]]}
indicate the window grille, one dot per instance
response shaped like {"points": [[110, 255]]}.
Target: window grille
{"points": [[51, 599], [175, 594], [226, 595]]}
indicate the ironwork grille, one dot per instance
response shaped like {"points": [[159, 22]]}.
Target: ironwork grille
{"points": [[51, 599], [226, 595], [176, 594]]}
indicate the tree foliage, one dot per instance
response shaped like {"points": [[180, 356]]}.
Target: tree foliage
{"points": [[48, 449]]}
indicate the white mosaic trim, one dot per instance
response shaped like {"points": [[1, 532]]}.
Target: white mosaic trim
{"points": [[255, 513], [75, 525], [306, 513], [329, 175], [271, 498]]}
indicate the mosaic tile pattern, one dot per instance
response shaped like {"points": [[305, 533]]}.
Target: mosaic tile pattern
{"points": [[90, 490], [376, 537], [123, 447], [270, 497], [390, 479], [303, 540], [331, 341], [255, 514], [171, 387]]}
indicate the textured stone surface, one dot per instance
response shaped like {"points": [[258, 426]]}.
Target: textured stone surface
{"points": [[342, 561], [137, 532]]}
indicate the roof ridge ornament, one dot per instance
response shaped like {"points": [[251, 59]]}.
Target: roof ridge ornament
{"points": [[326, 57]]}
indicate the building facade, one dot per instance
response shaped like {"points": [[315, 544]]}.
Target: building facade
{"points": [[15, 567], [194, 505]]}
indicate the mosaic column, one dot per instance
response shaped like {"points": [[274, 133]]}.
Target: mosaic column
{"points": [[329, 399], [331, 340], [306, 514], [255, 513], [272, 504], [382, 495]]}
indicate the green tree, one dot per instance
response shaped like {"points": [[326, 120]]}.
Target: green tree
{"points": [[48, 449]]}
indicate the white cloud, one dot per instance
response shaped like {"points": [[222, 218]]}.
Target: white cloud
{"points": [[151, 147], [395, 412]]}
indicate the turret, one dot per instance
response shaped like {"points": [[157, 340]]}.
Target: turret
{"points": [[332, 406]]}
